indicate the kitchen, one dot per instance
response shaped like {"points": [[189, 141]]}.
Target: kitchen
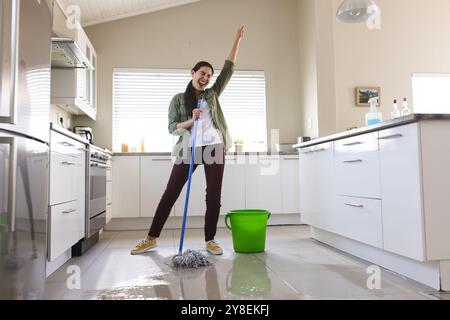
{"points": [[106, 164]]}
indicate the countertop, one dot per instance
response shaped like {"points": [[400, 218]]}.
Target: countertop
{"points": [[416, 117], [76, 137], [168, 154]]}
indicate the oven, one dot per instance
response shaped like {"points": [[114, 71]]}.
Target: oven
{"points": [[96, 189], [97, 168]]}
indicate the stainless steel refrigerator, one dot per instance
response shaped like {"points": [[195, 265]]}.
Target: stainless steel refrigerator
{"points": [[25, 54]]}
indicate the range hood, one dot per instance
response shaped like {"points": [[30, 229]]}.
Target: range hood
{"points": [[67, 54]]}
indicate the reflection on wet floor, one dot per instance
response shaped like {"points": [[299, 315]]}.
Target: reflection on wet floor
{"points": [[292, 267]]}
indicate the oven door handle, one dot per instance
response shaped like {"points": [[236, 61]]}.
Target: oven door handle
{"points": [[99, 165]]}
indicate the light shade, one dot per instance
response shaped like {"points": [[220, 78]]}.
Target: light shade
{"points": [[354, 11]]}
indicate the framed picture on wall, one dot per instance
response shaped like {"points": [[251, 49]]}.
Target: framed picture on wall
{"points": [[363, 94]]}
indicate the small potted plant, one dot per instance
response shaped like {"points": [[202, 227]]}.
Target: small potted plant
{"points": [[238, 145]]}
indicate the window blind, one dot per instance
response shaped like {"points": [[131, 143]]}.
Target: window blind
{"points": [[141, 99]]}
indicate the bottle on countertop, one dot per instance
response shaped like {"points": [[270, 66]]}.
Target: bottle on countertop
{"points": [[395, 113], [405, 110], [373, 116]]}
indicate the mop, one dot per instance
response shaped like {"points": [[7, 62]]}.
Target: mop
{"points": [[190, 258]]}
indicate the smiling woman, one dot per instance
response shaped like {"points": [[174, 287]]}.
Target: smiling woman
{"points": [[212, 140]]}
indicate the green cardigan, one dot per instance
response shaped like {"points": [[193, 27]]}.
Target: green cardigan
{"points": [[177, 112]]}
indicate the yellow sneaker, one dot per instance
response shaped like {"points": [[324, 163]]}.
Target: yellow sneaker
{"points": [[144, 246], [213, 248]]}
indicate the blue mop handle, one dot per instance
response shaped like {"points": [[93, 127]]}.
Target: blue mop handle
{"points": [[188, 191]]}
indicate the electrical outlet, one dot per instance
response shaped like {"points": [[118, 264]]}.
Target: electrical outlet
{"points": [[309, 123], [60, 119]]}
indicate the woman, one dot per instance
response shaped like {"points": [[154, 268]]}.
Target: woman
{"points": [[211, 142]]}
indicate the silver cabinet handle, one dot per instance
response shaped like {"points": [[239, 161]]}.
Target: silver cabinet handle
{"points": [[317, 150], [66, 144], [13, 53], [82, 149], [68, 163], [69, 211], [109, 204], [392, 136], [353, 144], [11, 205], [354, 205], [353, 161]]}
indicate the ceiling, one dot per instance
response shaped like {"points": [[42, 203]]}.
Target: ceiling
{"points": [[99, 11]]}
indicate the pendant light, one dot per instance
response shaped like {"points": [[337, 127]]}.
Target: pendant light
{"points": [[354, 11]]}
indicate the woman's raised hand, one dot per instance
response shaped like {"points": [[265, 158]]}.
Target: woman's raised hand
{"points": [[240, 32]]}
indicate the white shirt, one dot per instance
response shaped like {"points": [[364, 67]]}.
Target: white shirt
{"points": [[207, 134]]}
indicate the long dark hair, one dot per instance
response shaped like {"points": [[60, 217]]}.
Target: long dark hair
{"points": [[190, 99]]}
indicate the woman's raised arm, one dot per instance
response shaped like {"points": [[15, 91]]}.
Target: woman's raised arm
{"points": [[234, 50]]}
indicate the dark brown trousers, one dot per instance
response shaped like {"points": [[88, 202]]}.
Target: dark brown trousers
{"points": [[214, 175]]}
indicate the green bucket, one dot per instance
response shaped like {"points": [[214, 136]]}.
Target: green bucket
{"points": [[248, 228]]}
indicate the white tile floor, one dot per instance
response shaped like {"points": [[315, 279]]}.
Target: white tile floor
{"points": [[292, 267]]}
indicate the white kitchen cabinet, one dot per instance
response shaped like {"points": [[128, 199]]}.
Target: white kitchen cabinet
{"points": [[233, 185], [155, 173], [359, 219], [406, 229], [74, 89], [140, 181], [67, 193], [86, 78], [317, 188], [401, 191], [64, 228], [357, 144], [263, 183], [63, 178], [290, 186], [357, 164], [126, 185]]}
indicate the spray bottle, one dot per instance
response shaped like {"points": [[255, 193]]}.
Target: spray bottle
{"points": [[373, 116]]}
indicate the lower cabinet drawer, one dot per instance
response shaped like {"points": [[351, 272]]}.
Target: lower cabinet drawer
{"points": [[63, 178], [359, 219], [358, 175], [65, 228]]}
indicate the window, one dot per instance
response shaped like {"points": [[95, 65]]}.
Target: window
{"points": [[430, 93], [141, 99]]}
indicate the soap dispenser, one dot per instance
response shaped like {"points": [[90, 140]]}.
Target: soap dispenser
{"points": [[405, 110], [373, 116]]}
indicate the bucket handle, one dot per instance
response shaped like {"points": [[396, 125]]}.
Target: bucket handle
{"points": [[226, 221], [227, 217]]}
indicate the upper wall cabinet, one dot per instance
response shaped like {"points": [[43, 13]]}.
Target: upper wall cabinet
{"points": [[74, 63]]}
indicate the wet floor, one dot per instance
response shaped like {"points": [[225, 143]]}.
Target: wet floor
{"points": [[292, 267]]}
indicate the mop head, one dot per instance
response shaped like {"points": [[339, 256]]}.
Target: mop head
{"points": [[190, 259]]}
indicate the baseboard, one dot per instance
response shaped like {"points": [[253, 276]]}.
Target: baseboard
{"points": [[427, 273], [193, 222]]}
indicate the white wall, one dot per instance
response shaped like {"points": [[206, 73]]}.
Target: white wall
{"points": [[317, 70], [308, 68], [413, 38], [179, 37]]}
